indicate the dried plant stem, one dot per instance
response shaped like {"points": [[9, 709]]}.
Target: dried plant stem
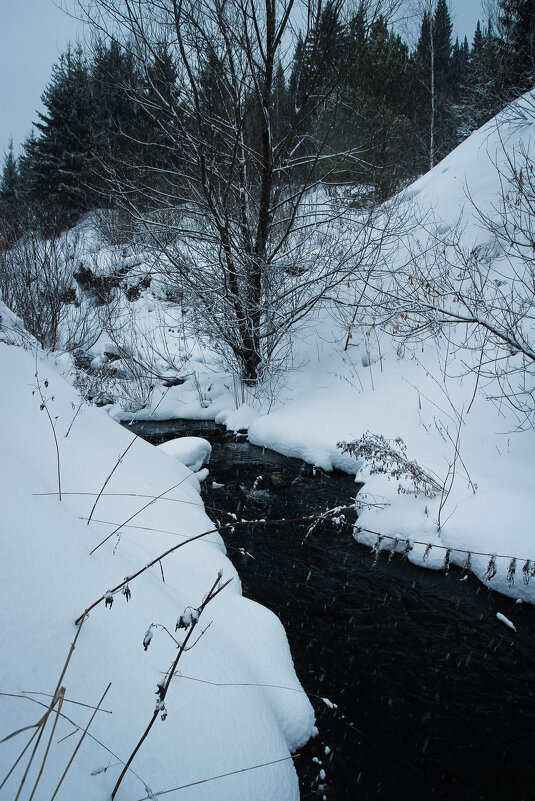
{"points": [[220, 776], [478, 375], [41, 769], [146, 506], [214, 590], [216, 530], [120, 459], [77, 412], [116, 465], [452, 469], [37, 727], [79, 742], [355, 312], [77, 727], [58, 693], [40, 731], [52, 426]]}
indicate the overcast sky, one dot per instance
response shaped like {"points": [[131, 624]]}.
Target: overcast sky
{"points": [[33, 34]]}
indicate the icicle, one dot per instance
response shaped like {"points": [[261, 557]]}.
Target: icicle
{"points": [[447, 556], [377, 549], [511, 571], [427, 551], [393, 549], [526, 571], [468, 563], [491, 568]]}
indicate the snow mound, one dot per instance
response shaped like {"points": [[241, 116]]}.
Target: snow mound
{"points": [[193, 452], [221, 718]]}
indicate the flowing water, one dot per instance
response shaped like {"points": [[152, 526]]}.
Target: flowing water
{"points": [[435, 697]]}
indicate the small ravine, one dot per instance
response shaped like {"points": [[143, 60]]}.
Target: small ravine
{"points": [[435, 697]]}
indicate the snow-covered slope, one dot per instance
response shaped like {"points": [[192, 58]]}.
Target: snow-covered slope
{"points": [[224, 712], [425, 392]]}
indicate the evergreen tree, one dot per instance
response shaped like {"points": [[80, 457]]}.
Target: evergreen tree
{"points": [[433, 61], [460, 59], [113, 83], [9, 200], [373, 121], [320, 58], [162, 122], [517, 24], [9, 183], [58, 163], [483, 93]]}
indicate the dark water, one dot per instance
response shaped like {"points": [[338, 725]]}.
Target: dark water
{"points": [[435, 697]]}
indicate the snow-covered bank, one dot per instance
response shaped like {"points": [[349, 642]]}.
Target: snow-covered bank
{"points": [[213, 726], [456, 419], [462, 407]]}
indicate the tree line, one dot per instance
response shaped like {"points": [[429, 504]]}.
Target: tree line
{"points": [[218, 129], [394, 112]]}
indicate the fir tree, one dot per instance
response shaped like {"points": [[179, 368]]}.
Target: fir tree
{"points": [[484, 91], [517, 23], [59, 164], [9, 183], [373, 122], [432, 59]]}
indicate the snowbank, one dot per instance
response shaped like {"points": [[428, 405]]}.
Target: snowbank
{"points": [[193, 452], [219, 718]]}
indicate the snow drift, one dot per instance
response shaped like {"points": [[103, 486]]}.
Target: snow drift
{"points": [[225, 708]]}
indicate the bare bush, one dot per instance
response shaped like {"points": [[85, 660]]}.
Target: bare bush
{"points": [[389, 457], [36, 282]]}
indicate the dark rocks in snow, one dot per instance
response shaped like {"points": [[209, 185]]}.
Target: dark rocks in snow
{"points": [[133, 292], [82, 360], [174, 381], [99, 286], [70, 297]]}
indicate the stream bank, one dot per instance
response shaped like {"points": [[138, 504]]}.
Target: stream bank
{"points": [[435, 697]]}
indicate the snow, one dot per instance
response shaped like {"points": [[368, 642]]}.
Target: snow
{"points": [[425, 393], [193, 452], [50, 578], [505, 620]]}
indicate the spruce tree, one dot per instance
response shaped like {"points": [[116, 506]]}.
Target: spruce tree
{"points": [[483, 93], [373, 121], [432, 59], [9, 183], [517, 23], [59, 164]]}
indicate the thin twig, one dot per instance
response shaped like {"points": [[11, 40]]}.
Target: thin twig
{"points": [[212, 593], [146, 506], [220, 776], [217, 530], [47, 750], [79, 742], [120, 459], [53, 427]]}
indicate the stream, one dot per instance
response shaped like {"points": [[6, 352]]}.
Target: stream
{"points": [[435, 697]]}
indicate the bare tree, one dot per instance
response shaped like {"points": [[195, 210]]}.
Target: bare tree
{"points": [[235, 206], [479, 297]]}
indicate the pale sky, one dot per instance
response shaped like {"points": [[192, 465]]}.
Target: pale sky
{"points": [[33, 34]]}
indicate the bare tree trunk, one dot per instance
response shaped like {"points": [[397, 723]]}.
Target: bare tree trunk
{"points": [[237, 225]]}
